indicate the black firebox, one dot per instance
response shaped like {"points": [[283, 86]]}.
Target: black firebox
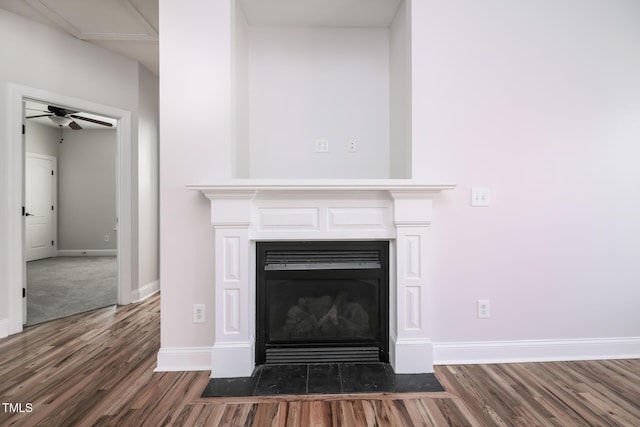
{"points": [[322, 302]]}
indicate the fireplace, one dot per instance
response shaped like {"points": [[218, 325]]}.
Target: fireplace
{"points": [[247, 214], [322, 302]]}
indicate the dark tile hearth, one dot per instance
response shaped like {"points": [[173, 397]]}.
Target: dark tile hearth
{"points": [[322, 378]]}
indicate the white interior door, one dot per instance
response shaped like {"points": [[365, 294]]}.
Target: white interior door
{"points": [[40, 206]]}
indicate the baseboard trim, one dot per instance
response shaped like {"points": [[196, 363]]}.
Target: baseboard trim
{"points": [[4, 328], [171, 359], [145, 292], [481, 352], [446, 353], [87, 252]]}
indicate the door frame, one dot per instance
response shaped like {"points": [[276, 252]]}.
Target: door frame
{"points": [[124, 190]]}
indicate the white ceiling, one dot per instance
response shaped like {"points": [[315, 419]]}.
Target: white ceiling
{"points": [[325, 13], [128, 27], [34, 108]]}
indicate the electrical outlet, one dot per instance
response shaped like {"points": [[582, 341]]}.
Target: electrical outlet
{"points": [[199, 314], [352, 147], [106, 237], [484, 309]]}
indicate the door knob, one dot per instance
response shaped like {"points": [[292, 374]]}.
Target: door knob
{"points": [[28, 214]]}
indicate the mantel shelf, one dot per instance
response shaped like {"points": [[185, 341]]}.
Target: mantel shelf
{"points": [[318, 185]]}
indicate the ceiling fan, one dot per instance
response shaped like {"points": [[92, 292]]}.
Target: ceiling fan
{"points": [[64, 117]]}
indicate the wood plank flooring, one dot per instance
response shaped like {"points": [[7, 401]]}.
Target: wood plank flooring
{"points": [[96, 369]]}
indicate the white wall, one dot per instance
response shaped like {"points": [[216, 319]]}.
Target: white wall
{"points": [[39, 57], [41, 139], [539, 100], [240, 95], [195, 129], [400, 93], [87, 190], [326, 83], [86, 183], [148, 205]]}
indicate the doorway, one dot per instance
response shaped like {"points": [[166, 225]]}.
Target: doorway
{"points": [[16, 239], [70, 240]]}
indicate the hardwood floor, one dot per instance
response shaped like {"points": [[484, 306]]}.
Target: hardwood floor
{"points": [[97, 369]]}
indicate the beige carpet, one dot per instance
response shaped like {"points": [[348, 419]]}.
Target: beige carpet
{"points": [[63, 286]]}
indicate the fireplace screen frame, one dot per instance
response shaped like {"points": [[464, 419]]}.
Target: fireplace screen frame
{"points": [[335, 266]]}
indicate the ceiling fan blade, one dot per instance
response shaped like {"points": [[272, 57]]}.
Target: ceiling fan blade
{"points": [[59, 111], [75, 126], [98, 122], [41, 115]]}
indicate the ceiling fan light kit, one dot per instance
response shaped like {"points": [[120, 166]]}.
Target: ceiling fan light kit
{"points": [[60, 121]]}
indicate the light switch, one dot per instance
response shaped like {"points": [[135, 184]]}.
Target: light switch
{"points": [[322, 145], [480, 196]]}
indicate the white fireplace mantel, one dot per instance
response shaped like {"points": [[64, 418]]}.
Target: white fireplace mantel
{"points": [[230, 186], [244, 211]]}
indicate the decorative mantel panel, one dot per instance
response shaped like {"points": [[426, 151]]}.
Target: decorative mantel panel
{"points": [[246, 211]]}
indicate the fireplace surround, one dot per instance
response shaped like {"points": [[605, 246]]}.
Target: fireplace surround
{"points": [[245, 211]]}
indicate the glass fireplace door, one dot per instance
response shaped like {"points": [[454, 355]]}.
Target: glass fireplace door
{"points": [[322, 302]]}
